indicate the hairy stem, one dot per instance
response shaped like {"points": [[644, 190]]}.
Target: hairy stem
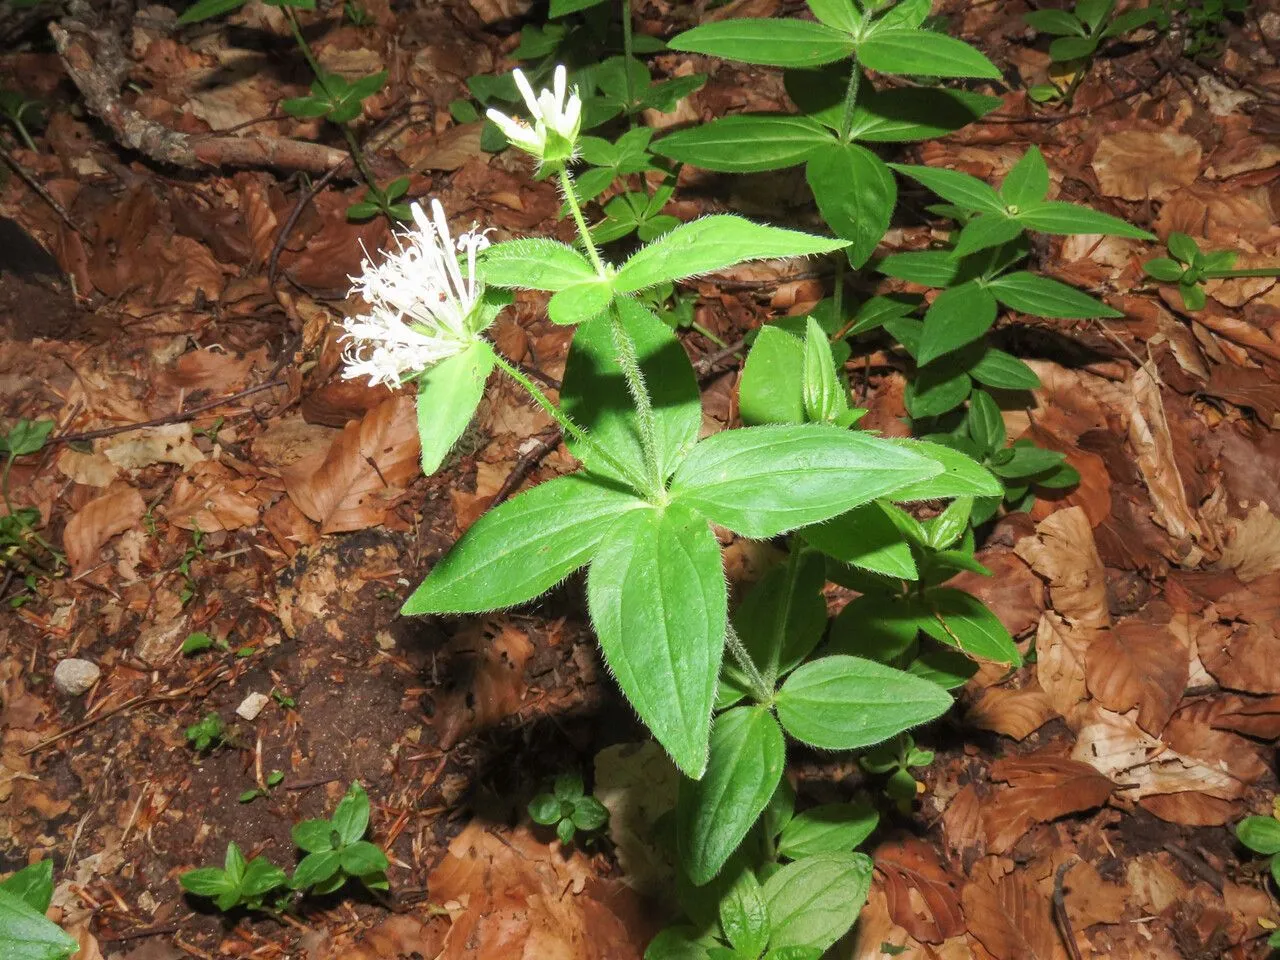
{"points": [[570, 428], [627, 48], [850, 99], [571, 198], [629, 361], [762, 691]]}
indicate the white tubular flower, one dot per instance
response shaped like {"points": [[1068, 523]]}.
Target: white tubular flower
{"points": [[556, 115], [424, 307]]}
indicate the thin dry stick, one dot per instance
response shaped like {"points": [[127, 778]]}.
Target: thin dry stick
{"points": [[30, 180], [527, 463], [1060, 909]]}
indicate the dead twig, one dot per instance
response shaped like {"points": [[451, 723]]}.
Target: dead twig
{"points": [[30, 180], [1060, 915], [527, 463]]}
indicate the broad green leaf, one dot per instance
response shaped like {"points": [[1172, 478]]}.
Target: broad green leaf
{"points": [[523, 547], [315, 869], [262, 876], [878, 311], [27, 934], [657, 597], [234, 864], [1260, 834], [985, 422], [829, 828], [824, 394], [677, 943], [762, 481], [205, 882], [1026, 460], [936, 390], [929, 268], [534, 263], [864, 537], [1042, 297], [899, 50], [916, 113], [313, 836], [562, 8], [1058, 23], [1130, 20], [362, 858], [546, 809], [448, 395], [906, 13], [783, 617], [841, 14], [746, 143], [589, 814], [944, 666], [958, 316], [33, 885], [744, 918], [26, 436], [772, 386], [876, 627], [208, 9], [595, 396], [964, 191], [777, 43], [1072, 48], [985, 231], [843, 703], [351, 816], [580, 303], [1028, 181], [814, 901], [960, 476], [715, 813], [711, 244], [1057, 217], [856, 194], [967, 623], [1183, 247], [1004, 371]]}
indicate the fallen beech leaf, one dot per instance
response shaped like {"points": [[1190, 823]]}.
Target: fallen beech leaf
{"points": [[1042, 786], [1191, 732], [171, 443], [1013, 713], [1251, 547], [1140, 663], [488, 685], [207, 369], [98, 521], [1191, 808], [1011, 917], [1060, 664], [921, 896], [369, 462], [1063, 552], [962, 825], [1151, 441], [213, 497], [1090, 899], [1145, 164], [1253, 716], [1242, 652]]}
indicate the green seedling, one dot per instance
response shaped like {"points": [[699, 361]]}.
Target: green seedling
{"points": [[21, 545], [356, 13], [1078, 34], [238, 883], [336, 850], [1190, 267], [18, 110], [1203, 22], [189, 556], [1262, 835], [895, 758], [273, 779], [207, 733], [569, 809]]}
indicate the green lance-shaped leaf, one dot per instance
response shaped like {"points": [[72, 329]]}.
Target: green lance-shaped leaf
{"points": [[580, 302], [595, 396], [784, 616], [746, 143], [929, 268], [762, 481], [711, 244], [534, 263], [657, 596], [962, 620], [985, 422], [1043, 297], [814, 901], [829, 828], [856, 194], [824, 394], [27, 934], [985, 231], [916, 113], [1058, 23], [961, 476], [772, 386], [842, 703], [776, 43], [841, 14], [864, 537], [524, 547], [966, 192], [715, 813], [448, 395], [1028, 181], [351, 816], [1004, 371], [1057, 217], [1260, 834], [744, 917], [33, 885], [897, 50], [957, 317]]}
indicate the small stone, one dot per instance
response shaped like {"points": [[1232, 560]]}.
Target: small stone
{"points": [[73, 677], [251, 706]]}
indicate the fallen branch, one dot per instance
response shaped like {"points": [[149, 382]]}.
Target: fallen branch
{"points": [[99, 77]]}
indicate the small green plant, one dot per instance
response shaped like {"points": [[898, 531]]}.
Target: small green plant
{"points": [[336, 849], [1190, 267], [199, 641], [189, 556], [1203, 22], [896, 757], [282, 699], [206, 733], [1262, 835], [18, 110], [356, 14], [238, 883], [21, 545], [568, 808], [273, 779], [1079, 33], [25, 932]]}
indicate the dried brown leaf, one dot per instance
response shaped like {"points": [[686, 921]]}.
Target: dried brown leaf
{"points": [[1063, 552], [1013, 713], [1042, 786], [921, 895], [489, 684], [1145, 164], [1140, 663], [98, 521], [1011, 917]]}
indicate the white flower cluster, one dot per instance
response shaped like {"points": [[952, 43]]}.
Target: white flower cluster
{"points": [[424, 306], [556, 117]]}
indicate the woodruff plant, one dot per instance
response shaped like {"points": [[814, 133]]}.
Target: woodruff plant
{"points": [[639, 514]]}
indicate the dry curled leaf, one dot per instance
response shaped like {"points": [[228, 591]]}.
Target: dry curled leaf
{"points": [[1140, 662], [98, 521], [488, 684], [921, 895], [1011, 917], [1013, 713], [1043, 786]]}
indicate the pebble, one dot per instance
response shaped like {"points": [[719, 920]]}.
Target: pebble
{"points": [[251, 706], [73, 677]]}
